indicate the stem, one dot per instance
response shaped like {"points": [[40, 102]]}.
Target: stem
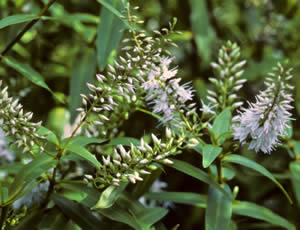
{"points": [[4, 213], [26, 28], [50, 190], [219, 168]]}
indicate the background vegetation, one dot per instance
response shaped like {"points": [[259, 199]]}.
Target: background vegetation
{"points": [[64, 47]]}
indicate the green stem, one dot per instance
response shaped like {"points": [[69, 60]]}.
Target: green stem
{"points": [[26, 28]]}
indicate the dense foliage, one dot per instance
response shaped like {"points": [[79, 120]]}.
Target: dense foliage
{"points": [[119, 114]]}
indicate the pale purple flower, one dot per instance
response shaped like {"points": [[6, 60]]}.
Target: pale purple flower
{"points": [[264, 121], [164, 93]]}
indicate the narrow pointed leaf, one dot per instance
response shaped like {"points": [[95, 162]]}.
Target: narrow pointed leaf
{"points": [[16, 19], [109, 196], [195, 172], [84, 153], [80, 214], [210, 153], [237, 159], [110, 31], [83, 72], [219, 209], [221, 125], [151, 216], [179, 197], [31, 74], [259, 212], [295, 171]]}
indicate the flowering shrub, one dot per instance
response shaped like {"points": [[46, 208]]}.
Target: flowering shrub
{"points": [[83, 171]]}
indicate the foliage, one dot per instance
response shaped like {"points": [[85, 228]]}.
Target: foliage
{"points": [[137, 119]]}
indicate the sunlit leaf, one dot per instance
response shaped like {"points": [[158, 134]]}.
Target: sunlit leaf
{"points": [[15, 19]]}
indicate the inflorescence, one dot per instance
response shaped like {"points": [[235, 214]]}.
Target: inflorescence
{"points": [[264, 121]]}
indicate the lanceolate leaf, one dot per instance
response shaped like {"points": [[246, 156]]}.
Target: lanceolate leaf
{"points": [[84, 153], [29, 173], [219, 209], [237, 159], [78, 213], [255, 211], [109, 196], [221, 125], [295, 171], [29, 73], [210, 153], [15, 19], [109, 30], [83, 72], [196, 173]]}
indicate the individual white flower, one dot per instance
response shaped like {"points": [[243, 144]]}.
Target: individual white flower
{"points": [[266, 119], [207, 109]]}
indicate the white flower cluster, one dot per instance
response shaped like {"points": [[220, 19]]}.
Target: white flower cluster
{"points": [[266, 119], [164, 93], [5, 153], [128, 165], [229, 71], [17, 124]]}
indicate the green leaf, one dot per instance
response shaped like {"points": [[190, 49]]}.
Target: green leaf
{"points": [[210, 153], [259, 212], [83, 72], [221, 125], [237, 159], [189, 198], [296, 148], [51, 137], [295, 171], [32, 219], [107, 4], [29, 173], [109, 196], [84, 153], [78, 213], [196, 173], [54, 219], [16, 19], [31, 74], [204, 32], [126, 141], [219, 209], [110, 30], [151, 216], [83, 140]]}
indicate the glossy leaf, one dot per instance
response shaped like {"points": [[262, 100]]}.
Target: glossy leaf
{"points": [[126, 141], [219, 209], [195, 172], [110, 31], [210, 153], [29, 173], [237, 159], [221, 125], [179, 197], [83, 72], [295, 171], [204, 32], [259, 212], [16, 19], [31, 74], [50, 136], [78, 213], [151, 216], [54, 219], [109, 6], [84, 153], [83, 140], [109, 196]]}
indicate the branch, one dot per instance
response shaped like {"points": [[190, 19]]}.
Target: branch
{"points": [[26, 28]]}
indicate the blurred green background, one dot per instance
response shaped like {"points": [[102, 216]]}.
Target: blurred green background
{"points": [[62, 45]]}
